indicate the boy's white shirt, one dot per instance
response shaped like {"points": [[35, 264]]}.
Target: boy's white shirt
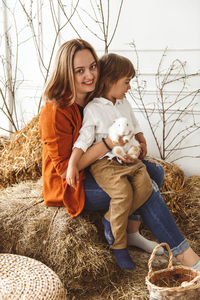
{"points": [[98, 116]]}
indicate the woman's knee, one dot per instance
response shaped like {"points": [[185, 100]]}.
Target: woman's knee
{"points": [[142, 180], [156, 171], [153, 202]]}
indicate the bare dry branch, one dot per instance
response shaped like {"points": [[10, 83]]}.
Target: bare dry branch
{"points": [[173, 111]]}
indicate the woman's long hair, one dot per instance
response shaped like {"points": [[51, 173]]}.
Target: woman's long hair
{"points": [[60, 87]]}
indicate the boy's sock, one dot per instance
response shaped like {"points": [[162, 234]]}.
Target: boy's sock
{"points": [[196, 266], [123, 259], [136, 239], [107, 231]]}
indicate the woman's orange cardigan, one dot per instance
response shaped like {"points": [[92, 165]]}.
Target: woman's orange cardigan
{"points": [[59, 129]]}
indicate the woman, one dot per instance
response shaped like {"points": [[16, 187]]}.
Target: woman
{"points": [[69, 89]]}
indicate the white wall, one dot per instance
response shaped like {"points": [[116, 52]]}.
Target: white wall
{"points": [[153, 25]]}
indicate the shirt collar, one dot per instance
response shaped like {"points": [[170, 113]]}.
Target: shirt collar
{"points": [[108, 102]]}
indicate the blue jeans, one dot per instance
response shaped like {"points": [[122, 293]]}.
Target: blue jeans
{"points": [[154, 212], [156, 173]]}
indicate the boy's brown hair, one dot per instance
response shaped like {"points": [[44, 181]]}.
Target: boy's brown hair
{"points": [[112, 67]]}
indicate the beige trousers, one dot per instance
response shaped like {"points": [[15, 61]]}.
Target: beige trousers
{"points": [[129, 186]]}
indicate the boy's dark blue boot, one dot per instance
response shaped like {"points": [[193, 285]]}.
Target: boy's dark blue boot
{"points": [[123, 259], [107, 231]]}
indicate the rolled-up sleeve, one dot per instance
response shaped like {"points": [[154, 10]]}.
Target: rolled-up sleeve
{"points": [[87, 132], [56, 133]]}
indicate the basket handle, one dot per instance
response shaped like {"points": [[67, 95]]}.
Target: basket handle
{"points": [[153, 255], [194, 279], [190, 283]]}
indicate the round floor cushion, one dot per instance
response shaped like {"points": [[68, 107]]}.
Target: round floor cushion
{"points": [[26, 278]]}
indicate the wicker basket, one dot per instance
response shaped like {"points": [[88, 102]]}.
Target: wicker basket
{"points": [[24, 278], [174, 282]]}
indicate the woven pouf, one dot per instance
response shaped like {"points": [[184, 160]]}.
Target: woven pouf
{"points": [[26, 278]]}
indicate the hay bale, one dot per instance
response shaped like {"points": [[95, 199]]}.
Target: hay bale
{"points": [[189, 214], [173, 185], [181, 194], [20, 156], [75, 249], [71, 247], [187, 197]]}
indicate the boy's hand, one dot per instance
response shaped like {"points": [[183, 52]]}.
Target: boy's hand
{"points": [[72, 176], [128, 159], [143, 153]]}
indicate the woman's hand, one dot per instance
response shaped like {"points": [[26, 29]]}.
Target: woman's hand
{"points": [[72, 172], [72, 175]]}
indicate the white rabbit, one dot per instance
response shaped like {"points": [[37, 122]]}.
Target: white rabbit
{"points": [[121, 128]]}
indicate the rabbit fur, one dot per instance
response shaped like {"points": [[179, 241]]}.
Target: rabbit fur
{"points": [[122, 128]]}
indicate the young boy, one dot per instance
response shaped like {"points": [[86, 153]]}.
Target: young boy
{"points": [[128, 185]]}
